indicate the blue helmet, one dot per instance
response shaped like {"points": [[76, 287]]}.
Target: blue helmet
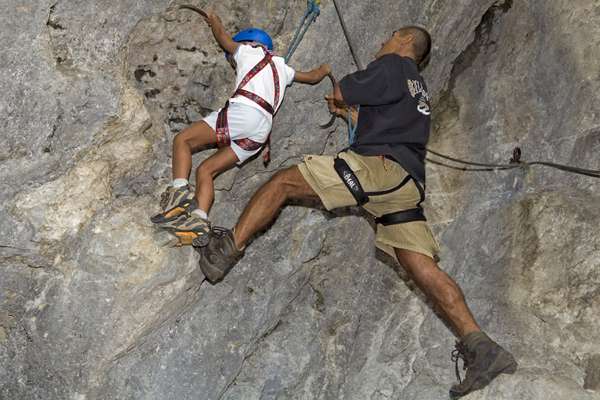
{"points": [[255, 35]]}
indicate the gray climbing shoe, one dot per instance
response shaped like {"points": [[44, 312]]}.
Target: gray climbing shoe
{"points": [[174, 202], [483, 359], [189, 229], [219, 256]]}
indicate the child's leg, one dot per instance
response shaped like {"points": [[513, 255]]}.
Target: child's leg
{"points": [[189, 141], [223, 160]]}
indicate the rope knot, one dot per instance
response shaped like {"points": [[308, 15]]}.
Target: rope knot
{"points": [[516, 157]]}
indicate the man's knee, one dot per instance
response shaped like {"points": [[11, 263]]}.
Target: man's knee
{"points": [[417, 264], [285, 182]]}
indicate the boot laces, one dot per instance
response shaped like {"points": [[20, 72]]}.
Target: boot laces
{"points": [[164, 199], [461, 352], [219, 232]]}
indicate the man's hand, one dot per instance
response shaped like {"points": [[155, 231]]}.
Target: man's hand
{"points": [[334, 108], [341, 110]]}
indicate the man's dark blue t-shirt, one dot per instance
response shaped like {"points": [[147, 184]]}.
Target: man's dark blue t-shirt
{"points": [[395, 112]]}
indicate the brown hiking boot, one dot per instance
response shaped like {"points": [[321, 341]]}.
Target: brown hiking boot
{"points": [[219, 256], [483, 359]]}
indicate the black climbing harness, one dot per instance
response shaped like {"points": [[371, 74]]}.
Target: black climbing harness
{"points": [[362, 197]]}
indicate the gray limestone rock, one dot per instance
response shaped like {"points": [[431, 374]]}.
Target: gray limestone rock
{"points": [[93, 305]]}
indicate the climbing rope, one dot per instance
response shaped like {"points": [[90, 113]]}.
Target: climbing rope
{"points": [[515, 162], [313, 10], [338, 10], [359, 65]]}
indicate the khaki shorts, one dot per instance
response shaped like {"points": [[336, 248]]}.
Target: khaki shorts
{"points": [[375, 174]]}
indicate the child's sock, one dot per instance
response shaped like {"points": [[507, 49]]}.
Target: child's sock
{"points": [[200, 213], [179, 183]]}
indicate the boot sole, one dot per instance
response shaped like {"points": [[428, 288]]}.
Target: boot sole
{"points": [[212, 273], [507, 366]]}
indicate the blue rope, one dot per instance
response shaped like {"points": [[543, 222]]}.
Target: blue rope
{"points": [[313, 10], [351, 127]]}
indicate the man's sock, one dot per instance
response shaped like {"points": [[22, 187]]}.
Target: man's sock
{"points": [[179, 183], [200, 213]]}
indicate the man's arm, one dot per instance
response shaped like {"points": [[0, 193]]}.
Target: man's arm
{"points": [[341, 110], [220, 34], [373, 86], [313, 77]]}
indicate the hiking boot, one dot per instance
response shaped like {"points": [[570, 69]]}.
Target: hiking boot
{"points": [[219, 256], [190, 229], [174, 202], [483, 359]]}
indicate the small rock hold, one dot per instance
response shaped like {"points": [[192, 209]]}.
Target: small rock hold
{"points": [[592, 373]]}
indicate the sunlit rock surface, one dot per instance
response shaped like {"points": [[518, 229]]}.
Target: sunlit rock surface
{"points": [[93, 305]]}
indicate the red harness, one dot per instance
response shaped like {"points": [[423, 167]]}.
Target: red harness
{"points": [[223, 137]]}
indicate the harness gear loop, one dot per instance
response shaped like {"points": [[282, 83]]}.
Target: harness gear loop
{"points": [[222, 126]]}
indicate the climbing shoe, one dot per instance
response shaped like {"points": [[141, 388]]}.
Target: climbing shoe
{"points": [[189, 229], [219, 256], [483, 359], [174, 202]]}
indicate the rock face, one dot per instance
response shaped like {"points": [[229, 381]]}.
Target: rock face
{"points": [[92, 306]]}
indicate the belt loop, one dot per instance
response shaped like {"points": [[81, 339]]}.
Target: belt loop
{"points": [[383, 160]]}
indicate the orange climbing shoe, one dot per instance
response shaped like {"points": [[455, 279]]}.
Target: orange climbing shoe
{"points": [[189, 229], [174, 202]]}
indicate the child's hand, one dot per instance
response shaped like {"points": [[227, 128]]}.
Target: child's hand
{"points": [[212, 18], [325, 70]]}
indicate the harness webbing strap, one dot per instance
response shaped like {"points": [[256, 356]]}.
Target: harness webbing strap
{"points": [[222, 128], [400, 186], [356, 190], [257, 99], [351, 181], [402, 217]]}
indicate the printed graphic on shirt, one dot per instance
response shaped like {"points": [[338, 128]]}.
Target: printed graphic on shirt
{"points": [[418, 92]]}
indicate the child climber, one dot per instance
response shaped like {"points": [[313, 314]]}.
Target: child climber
{"points": [[240, 129]]}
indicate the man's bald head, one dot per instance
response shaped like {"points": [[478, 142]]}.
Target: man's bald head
{"points": [[421, 42], [409, 41]]}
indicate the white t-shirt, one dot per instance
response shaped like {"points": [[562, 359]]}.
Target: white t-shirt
{"points": [[262, 84]]}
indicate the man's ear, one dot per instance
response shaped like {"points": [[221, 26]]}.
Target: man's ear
{"points": [[407, 39]]}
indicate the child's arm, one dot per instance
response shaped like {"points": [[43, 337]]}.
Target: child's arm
{"points": [[313, 77], [219, 32]]}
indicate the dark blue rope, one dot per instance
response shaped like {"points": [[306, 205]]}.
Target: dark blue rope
{"points": [[313, 10]]}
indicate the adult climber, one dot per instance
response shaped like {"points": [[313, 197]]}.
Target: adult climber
{"points": [[384, 172]]}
